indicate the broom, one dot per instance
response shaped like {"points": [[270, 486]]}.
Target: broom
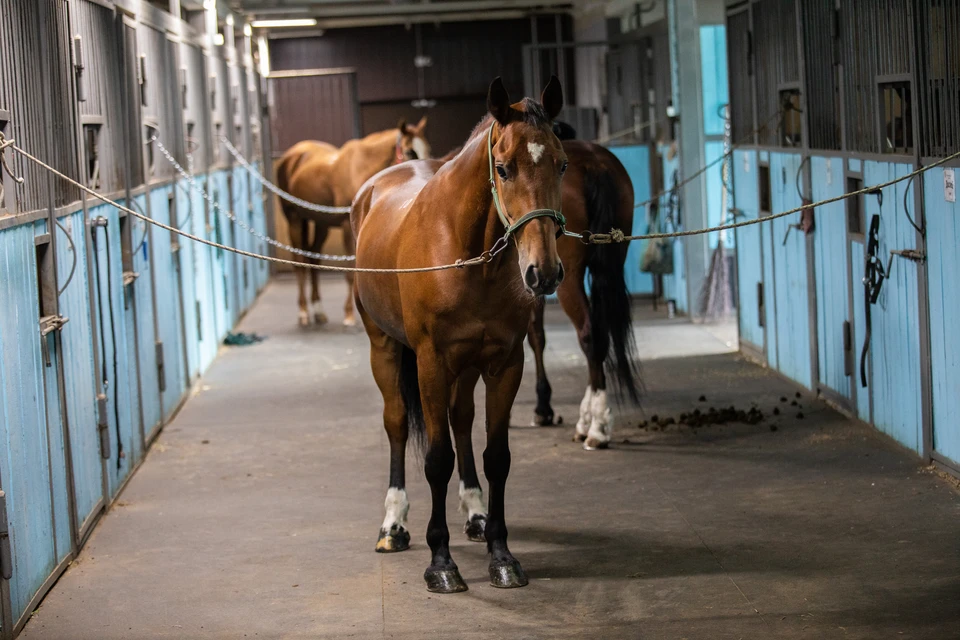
{"points": [[716, 295]]}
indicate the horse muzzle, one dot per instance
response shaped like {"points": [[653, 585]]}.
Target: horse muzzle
{"points": [[541, 284]]}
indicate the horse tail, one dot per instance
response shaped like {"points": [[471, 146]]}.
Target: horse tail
{"points": [[410, 392], [611, 320]]}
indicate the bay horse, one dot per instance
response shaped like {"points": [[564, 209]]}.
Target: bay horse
{"points": [[433, 335], [597, 197], [326, 175]]}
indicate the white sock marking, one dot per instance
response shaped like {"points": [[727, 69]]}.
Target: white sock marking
{"points": [[583, 424], [397, 507], [601, 424], [471, 501], [536, 151]]}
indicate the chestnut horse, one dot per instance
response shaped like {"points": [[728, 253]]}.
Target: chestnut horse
{"points": [[597, 197], [323, 174], [434, 335]]}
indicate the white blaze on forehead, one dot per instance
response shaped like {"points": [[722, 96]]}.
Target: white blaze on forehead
{"points": [[536, 151], [420, 148]]}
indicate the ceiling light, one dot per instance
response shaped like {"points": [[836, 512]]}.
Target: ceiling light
{"points": [[288, 22], [247, 30]]}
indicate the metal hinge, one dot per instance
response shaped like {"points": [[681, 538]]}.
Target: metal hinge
{"points": [[129, 277], [103, 426], [49, 324], [760, 308], [199, 321], [161, 370], [6, 557]]}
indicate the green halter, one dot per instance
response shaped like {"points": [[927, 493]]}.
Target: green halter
{"points": [[536, 213]]}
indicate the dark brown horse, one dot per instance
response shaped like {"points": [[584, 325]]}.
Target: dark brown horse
{"points": [[434, 335], [325, 175], [597, 197]]}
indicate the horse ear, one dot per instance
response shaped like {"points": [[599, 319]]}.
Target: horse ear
{"points": [[552, 97], [403, 126], [498, 102], [421, 125]]}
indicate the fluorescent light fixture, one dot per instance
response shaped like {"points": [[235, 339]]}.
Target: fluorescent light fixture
{"points": [[286, 22], [247, 30], [218, 39]]}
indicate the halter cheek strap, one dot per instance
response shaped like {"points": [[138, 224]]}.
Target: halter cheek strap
{"points": [[513, 227]]}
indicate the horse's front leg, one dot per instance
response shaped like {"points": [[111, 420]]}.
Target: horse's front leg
{"points": [[462, 412], [442, 576], [505, 570]]}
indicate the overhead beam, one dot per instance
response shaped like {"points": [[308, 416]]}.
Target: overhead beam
{"points": [[375, 9]]}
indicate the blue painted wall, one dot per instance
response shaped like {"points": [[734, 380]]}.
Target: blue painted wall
{"points": [[830, 264], [713, 69], [788, 333], [857, 255], [895, 341], [943, 244], [674, 285], [636, 160], [746, 198]]}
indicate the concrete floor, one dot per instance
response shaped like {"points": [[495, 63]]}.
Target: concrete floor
{"points": [[256, 513]]}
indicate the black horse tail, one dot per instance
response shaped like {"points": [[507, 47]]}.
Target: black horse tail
{"points": [[410, 392], [611, 320]]}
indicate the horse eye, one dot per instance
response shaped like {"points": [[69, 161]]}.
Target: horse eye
{"points": [[563, 169], [502, 172]]}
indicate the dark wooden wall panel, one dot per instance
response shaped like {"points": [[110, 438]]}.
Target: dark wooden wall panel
{"points": [[448, 124], [312, 108]]}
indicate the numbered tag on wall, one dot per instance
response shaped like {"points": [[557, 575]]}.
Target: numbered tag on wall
{"points": [[949, 185]]}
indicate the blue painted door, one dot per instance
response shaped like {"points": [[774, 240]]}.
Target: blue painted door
{"points": [[943, 241], [77, 339], [145, 331], [114, 317], [169, 314], [33, 466], [205, 276], [895, 332], [749, 252], [788, 329], [830, 267], [186, 257]]}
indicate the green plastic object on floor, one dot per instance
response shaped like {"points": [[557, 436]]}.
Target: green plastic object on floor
{"points": [[241, 339]]}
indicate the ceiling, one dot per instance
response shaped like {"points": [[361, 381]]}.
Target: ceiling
{"points": [[340, 13]]}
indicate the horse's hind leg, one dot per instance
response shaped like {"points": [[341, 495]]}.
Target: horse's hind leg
{"points": [[319, 237], [505, 570], [595, 425], [350, 245], [385, 354], [462, 411], [537, 337], [442, 576], [298, 239]]}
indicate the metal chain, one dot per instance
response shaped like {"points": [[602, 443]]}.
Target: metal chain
{"points": [[483, 258], [191, 181], [309, 206], [615, 235]]}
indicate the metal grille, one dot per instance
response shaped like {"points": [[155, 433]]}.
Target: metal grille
{"points": [[161, 110], [776, 61], [102, 80], [875, 48], [819, 53], [36, 45], [939, 82], [222, 119], [195, 114], [739, 71], [131, 95]]}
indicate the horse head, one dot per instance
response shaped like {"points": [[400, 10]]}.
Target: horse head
{"points": [[411, 143], [528, 163]]}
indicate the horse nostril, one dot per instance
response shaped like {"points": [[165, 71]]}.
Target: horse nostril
{"points": [[532, 277], [560, 273]]}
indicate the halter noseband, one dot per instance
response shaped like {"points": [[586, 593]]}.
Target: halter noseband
{"points": [[524, 219]]}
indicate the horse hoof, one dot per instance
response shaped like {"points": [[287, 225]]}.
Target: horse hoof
{"points": [[579, 437], [592, 444], [543, 420], [392, 542], [304, 319], [507, 574], [320, 318], [475, 527], [349, 321], [444, 581]]}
